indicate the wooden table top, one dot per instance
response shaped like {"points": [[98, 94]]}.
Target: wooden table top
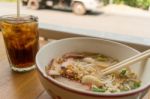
{"points": [[21, 85]]}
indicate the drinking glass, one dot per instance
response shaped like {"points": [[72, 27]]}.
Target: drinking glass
{"points": [[21, 40]]}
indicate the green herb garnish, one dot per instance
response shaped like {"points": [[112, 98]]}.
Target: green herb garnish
{"points": [[137, 84], [113, 91], [96, 89], [123, 72]]}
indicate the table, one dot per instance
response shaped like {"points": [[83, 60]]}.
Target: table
{"points": [[15, 85], [21, 85]]}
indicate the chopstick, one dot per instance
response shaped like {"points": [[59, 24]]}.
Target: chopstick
{"points": [[126, 62]]}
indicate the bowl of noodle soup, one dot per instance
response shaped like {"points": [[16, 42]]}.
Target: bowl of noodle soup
{"points": [[70, 68]]}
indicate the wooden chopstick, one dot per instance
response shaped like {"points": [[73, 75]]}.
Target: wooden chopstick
{"points": [[127, 62]]}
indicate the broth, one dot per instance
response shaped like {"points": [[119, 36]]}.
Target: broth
{"points": [[82, 70]]}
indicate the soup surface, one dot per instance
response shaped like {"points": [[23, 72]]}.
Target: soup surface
{"points": [[83, 71]]}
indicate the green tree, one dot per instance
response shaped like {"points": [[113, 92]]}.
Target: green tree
{"points": [[144, 4]]}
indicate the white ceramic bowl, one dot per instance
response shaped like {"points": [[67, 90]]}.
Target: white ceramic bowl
{"points": [[116, 50]]}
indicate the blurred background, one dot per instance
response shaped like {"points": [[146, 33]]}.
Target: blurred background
{"points": [[126, 17]]}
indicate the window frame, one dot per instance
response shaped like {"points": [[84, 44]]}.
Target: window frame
{"points": [[50, 31]]}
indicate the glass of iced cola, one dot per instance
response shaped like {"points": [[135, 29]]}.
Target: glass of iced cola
{"points": [[21, 40]]}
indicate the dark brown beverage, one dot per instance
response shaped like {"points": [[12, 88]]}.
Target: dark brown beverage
{"points": [[21, 41]]}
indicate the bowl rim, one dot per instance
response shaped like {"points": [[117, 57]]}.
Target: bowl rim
{"points": [[86, 93]]}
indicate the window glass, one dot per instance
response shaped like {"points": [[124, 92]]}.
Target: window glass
{"points": [[128, 17]]}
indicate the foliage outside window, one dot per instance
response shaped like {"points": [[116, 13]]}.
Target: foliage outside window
{"points": [[144, 4]]}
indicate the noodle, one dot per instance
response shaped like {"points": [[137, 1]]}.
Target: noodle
{"points": [[85, 68]]}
